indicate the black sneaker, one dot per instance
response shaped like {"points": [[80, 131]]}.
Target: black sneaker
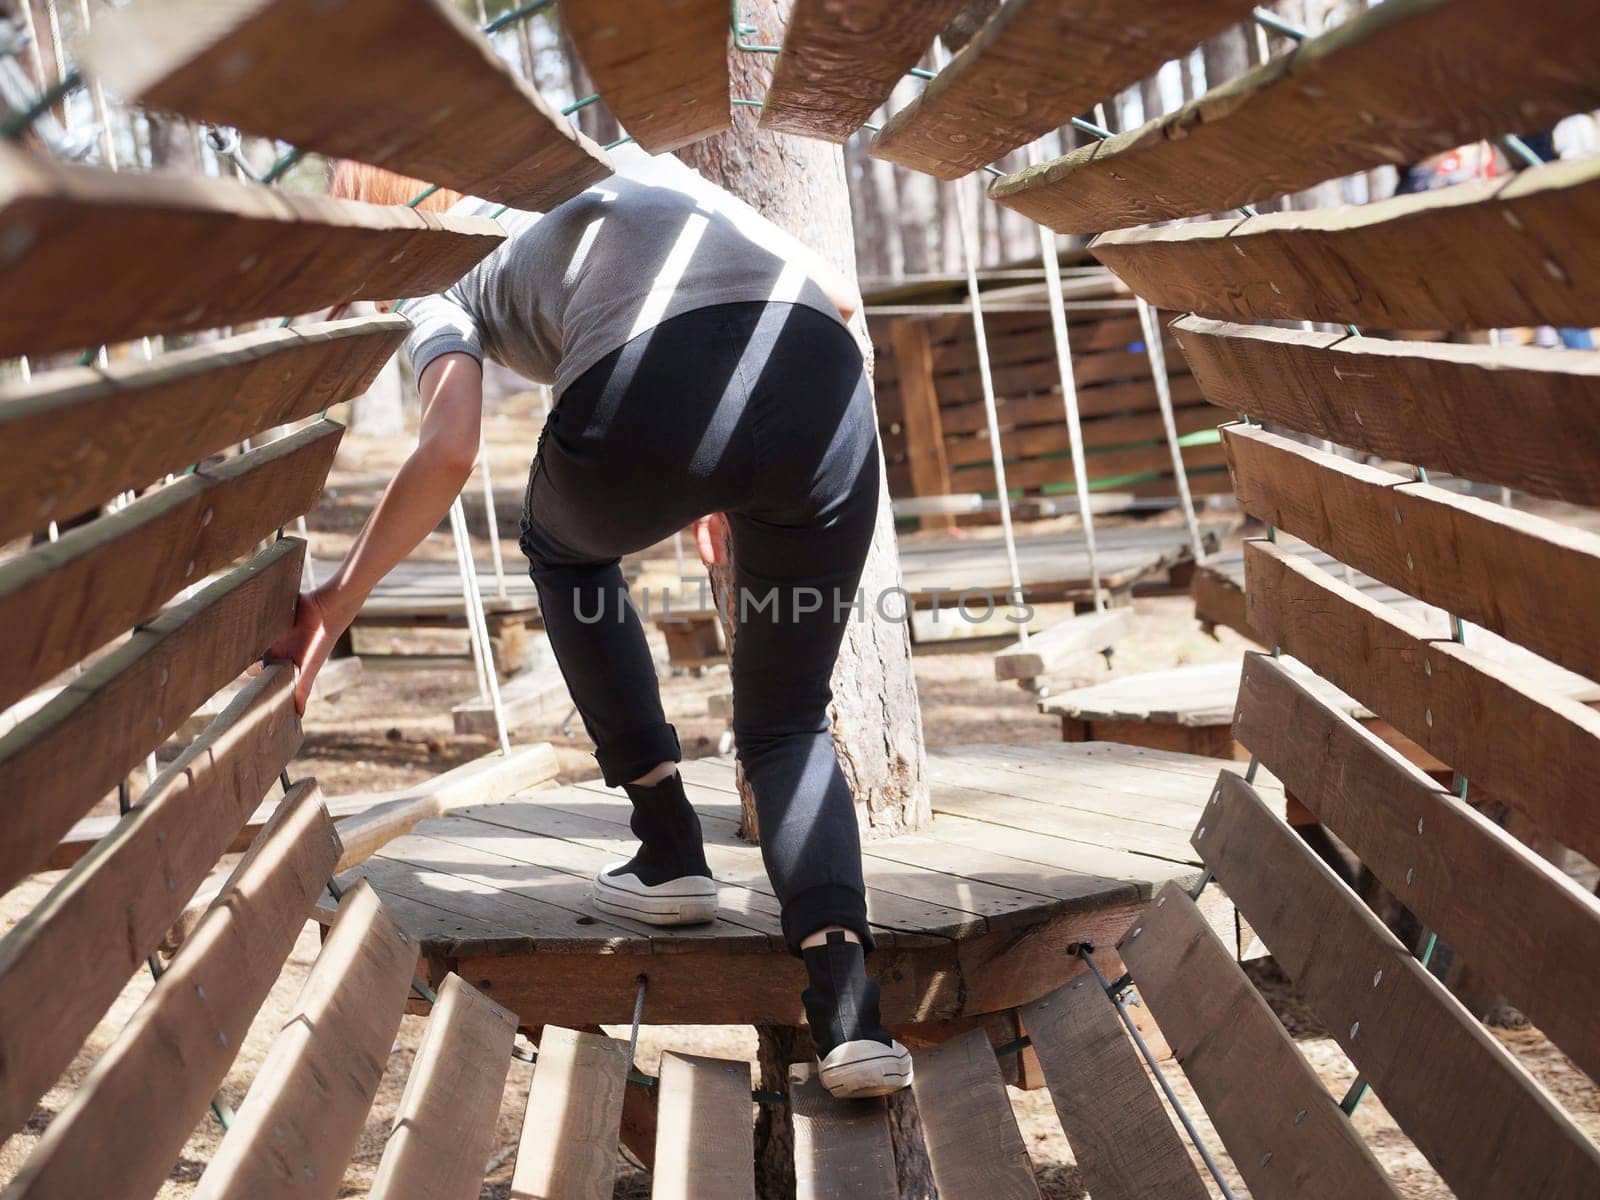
{"points": [[856, 1055], [667, 882]]}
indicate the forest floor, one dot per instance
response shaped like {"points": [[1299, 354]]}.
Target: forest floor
{"points": [[393, 728]]}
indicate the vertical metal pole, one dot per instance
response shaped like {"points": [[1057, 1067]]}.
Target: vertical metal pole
{"points": [[477, 624], [494, 521], [1069, 392], [1158, 371]]}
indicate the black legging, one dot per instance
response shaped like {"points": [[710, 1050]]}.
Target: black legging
{"points": [[760, 411]]}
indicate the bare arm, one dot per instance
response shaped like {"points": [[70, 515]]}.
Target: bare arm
{"points": [[412, 506]]}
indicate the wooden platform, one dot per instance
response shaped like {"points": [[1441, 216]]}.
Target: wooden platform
{"points": [[1032, 849], [420, 592]]}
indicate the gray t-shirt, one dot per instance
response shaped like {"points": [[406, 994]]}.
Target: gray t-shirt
{"points": [[568, 287]]}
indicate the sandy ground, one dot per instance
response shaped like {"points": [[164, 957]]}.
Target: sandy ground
{"points": [[393, 728]]}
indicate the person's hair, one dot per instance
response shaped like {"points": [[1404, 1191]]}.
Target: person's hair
{"points": [[374, 185]]}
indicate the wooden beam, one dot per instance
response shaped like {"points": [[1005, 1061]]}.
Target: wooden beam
{"points": [[705, 1140], [1501, 568], [1532, 930], [435, 101], [1331, 106], [522, 698], [173, 252], [92, 432], [1522, 742], [183, 1038], [67, 756], [973, 1141], [113, 907], [1285, 1133], [71, 596], [308, 1102], [662, 69], [577, 1085], [444, 1130], [1121, 1136], [919, 404], [1468, 1105], [1535, 258], [1033, 67], [1063, 642], [841, 1149], [842, 58], [1523, 417], [1098, 435]]}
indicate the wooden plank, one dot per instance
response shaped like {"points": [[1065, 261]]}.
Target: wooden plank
{"points": [[526, 696], [1526, 745], [919, 401], [1472, 1109], [972, 1136], [661, 68], [1152, 457], [176, 252], [1285, 1133], [278, 68], [1532, 930], [1524, 417], [842, 58], [842, 1149], [64, 758], [113, 907], [444, 1129], [92, 432], [705, 1139], [182, 1040], [1033, 67], [1498, 567], [1121, 1136], [1046, 652], [1535, 258], [73, 595], [1331, 106], [304, 1113], [568, 1149], [1052, 438]]}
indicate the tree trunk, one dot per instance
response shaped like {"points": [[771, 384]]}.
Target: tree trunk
{"points": [[594, 120]]}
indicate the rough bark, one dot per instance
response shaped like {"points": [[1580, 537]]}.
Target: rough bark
{"points": [[776, 1048], [799, 184]]}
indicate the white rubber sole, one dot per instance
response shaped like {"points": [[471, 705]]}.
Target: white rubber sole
{"points": [[854, 1070], [691, 900]]}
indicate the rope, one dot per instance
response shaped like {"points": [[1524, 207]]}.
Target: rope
{"points": [[477, 622], [1157, 353]]}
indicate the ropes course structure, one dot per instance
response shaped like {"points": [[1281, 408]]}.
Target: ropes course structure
{"points": [[190, 620]]}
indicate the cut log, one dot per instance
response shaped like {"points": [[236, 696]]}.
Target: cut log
{"points": [[175, 252], [450, 112], [100, 579], [1395, 264], [842, 58], [1332, 106], [662, 69], [1405, 1033], [1522, 417], [1035, 66], [1063, 643]]}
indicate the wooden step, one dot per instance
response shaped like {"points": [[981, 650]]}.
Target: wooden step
{"points": [[842, 1149], [662, 69], [1535, 934], [1035, 66], [1286, 1135], [1122, 1137], [568, 1149], [305, 1110], [433, 101], [705, 1138], [973, 1141], [182, 1040], [93, 432], [842, 58], [1045, 652], [176, 252], [113, 908], [1331, 106], [1520, 416], [1398, 1024], [444, 1129], [99, 580], [1535, 258], [67, 756]]}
